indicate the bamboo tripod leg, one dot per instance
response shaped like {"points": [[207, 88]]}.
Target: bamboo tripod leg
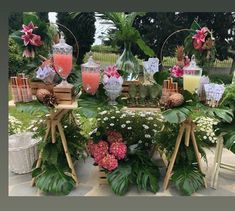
{"points": [[39, 162], [68, 156], [197, 155], [173, 157]]}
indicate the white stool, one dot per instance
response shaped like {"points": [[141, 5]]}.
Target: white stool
{"points": [[217, 162]]}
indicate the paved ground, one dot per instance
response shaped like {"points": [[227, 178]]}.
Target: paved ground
{"points": [[19, 185]]}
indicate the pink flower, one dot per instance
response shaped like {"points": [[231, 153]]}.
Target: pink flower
{"points": [[98, 151], [109, 162], [27, 53], [118, 149], [197, 45], [201, 35], [111, 71], [29, 28], [176, 71], [35, 40], [91, 147], [186, 61], [114, 136]]}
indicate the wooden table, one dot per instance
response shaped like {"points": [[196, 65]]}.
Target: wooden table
{"points": [[54, 123]]}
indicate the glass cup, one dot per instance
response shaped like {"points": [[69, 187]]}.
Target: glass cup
{"points": [[191, 79]]}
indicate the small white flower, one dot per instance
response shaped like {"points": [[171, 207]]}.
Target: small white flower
{"points": [[204, 137], [106, 118], [123, 126], [35, 128], [154, 130], [112, 117], [128, 121], [142, 115], [98, 119], [118, 112], [103, 112], [65, 126], [140, 141], [150, 118], [147, 136], [129, 128], [154, 125], [111, 124], [146, 127]]}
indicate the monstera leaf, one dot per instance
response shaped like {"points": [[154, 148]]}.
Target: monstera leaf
{"points": [[187, 179], [53, 180], [176, 115], [119, 179], [159, 77]]}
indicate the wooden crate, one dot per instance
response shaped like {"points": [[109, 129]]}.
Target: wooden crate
{"points": [[102, 176], [125, 87], [64, 95], [35, 85]]}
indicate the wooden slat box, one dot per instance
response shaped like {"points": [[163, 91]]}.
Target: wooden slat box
{"points": [[35, 85], [102, 176], [125, 86], [64, 95]]}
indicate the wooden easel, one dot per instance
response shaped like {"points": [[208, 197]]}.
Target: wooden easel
{"points": [[53, 122], [186, 127]]}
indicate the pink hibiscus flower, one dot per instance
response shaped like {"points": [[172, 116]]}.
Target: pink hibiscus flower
{"points": [[176, 71]]}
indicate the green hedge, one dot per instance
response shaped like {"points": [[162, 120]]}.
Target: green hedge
{"points": [[104, 49], [221, 78]]}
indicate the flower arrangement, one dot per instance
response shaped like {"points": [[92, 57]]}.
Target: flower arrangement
{"points": [[201, 43], [205, 130], [112, 81], [30, 39], [34, 37], [107, 153], [136, 128], [14, 125]]}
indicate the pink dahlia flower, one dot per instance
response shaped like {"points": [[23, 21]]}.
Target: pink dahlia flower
{"points": [[111, 71], [109, 162], [114, 136], [118, 149], [176, 71]]}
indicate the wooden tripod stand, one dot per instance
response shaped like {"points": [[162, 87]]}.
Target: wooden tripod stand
{"points": [[186, 127], [53, 122]]}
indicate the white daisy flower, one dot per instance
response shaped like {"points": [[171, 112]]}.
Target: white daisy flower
{"points": [[111, 124], [129, 128], [128, 121], [123, 126], [112, 117], [204, 137], [106, 118]]}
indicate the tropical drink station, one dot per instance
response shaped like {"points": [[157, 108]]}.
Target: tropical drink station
{"points": [[121, 124]]}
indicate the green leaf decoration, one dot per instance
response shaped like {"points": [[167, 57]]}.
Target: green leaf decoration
{"points": [[159, 77], [32, 107], [146, 177], [187, 179], [31, 16], [53, 180], [176, 115], [119, 179], [146, 49], [229, 140]]}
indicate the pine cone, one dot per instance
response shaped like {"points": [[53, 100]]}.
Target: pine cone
{"points": [[46, 97]]}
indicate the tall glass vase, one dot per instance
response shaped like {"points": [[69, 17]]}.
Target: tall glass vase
{"points": [[128, 62]]}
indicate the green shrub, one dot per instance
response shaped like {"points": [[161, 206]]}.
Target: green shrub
{"points": [[104, 49], [221, 78], [16, 62]]}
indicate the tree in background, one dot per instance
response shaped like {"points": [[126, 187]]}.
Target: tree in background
{"points": [[43, 16], [155, 27], [15, 21], [83, 27]]}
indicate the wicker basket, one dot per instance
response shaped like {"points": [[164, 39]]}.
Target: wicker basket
{"points": [[23, 151]]}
